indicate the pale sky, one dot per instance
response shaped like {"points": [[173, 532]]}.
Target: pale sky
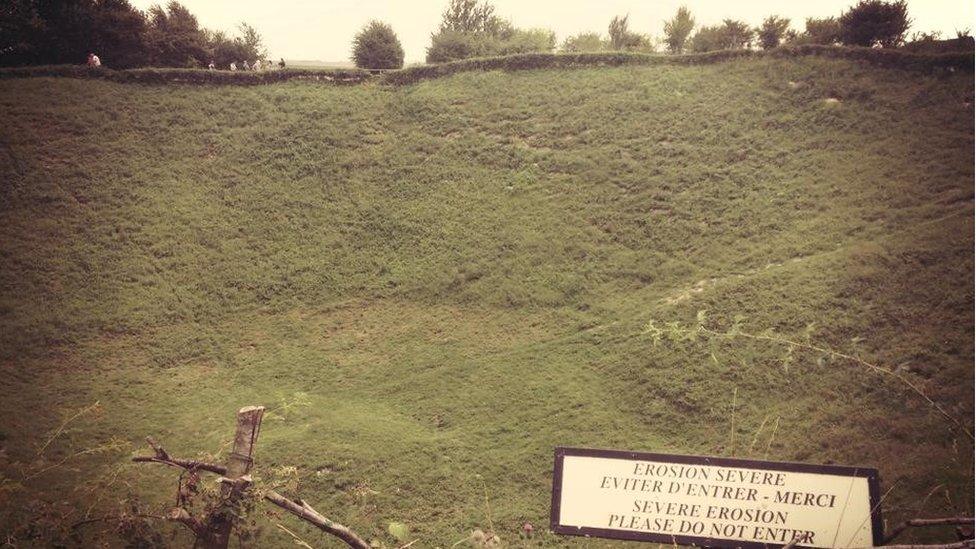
{"points": [[323, 29]]}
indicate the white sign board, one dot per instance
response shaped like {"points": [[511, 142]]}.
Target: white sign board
{"points": [[713, 502]]}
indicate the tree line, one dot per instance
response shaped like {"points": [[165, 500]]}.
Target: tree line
{"points": [[470, 28], [38, 32], [52, 32]]}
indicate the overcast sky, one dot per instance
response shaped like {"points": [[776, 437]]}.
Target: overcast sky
{"points": [[323, 29]]}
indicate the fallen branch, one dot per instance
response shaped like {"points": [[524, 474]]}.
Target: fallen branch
{"points": [[160, 452], [305, 512], [951, 521], [298, 507], [187, 464], [163, 457]]}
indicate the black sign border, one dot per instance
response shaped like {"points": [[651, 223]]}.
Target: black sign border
{"points": [[871, 474]]}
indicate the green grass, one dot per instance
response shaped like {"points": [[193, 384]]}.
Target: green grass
{"points": [[456, 275]]}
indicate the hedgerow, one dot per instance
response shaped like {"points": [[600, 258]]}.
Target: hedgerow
{"points": [[189, 76], [884, 57], [891, 58]]}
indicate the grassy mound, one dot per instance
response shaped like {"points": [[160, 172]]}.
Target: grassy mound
{"points": [[433, 285]]}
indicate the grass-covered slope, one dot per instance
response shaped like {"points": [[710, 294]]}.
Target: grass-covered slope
{"points": [[455, 276]]}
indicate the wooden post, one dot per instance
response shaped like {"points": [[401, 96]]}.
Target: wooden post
{"points": [[238, 465]]}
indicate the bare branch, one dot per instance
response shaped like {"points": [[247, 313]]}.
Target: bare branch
{"points": [[160, 452], [188, 464], [950, 521], [163, 457], [305, 512]]}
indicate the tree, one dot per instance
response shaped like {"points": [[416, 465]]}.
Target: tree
{"points": [[583, 42], [730, 35], [65, 31], [619, 32], [55, 32], [21, 30], [119, 34], [772, 31], [251, 42], [376, 46], [499, 28], [224, 50], [875, 23], [174, 38], [469, 29], [708, 39], [469, 16], [622, 39], [737, 35], [677, 30]]}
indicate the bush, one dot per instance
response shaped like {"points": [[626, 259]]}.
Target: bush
{"points": [[707, 39], [376, 46], [929, 44], [875, 23], [819, 32], [527, 41], [584, 41], [772, 31], [450, 45], [677, 30]]}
